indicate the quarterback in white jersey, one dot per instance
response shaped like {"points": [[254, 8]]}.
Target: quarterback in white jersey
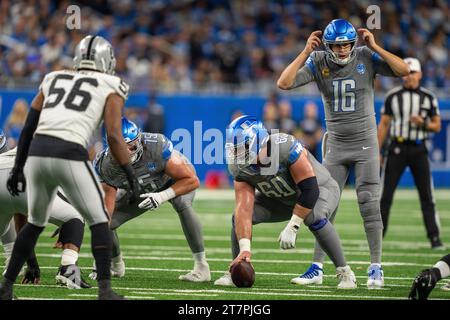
{"points": [[69, 107]]}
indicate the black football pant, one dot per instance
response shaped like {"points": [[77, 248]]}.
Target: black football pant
{"points": [[415, 156]]}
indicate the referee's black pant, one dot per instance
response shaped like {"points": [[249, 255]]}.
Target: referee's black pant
{"points": [[401, 155]]}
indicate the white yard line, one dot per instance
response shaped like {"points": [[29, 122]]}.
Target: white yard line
{"points": [[185, 250], [347, 194], [218, 272], [227, 260], [94, 295]]}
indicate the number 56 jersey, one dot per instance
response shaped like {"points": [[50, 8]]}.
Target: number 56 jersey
{"points": [[281, 186], [74, 103]]}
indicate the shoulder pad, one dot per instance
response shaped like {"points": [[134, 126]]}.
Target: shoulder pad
{"points": [[118, 85]]}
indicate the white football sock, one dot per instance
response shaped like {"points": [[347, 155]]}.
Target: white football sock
{"points": [[444, 268], [199, 257], [69, 257], [117, 259]]}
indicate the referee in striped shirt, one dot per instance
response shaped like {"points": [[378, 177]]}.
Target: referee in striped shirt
{"points": [[411, 112]]}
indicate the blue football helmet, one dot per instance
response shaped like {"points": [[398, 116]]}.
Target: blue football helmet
{"points": [[132, 135], [340, 31], [245, 137]]}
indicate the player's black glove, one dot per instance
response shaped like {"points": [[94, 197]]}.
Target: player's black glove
{"points": [[16, 181], [33, 272], [135, 187]]}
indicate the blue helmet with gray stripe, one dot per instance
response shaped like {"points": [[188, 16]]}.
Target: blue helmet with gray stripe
{"points": [[245, 136], [340, 31], [132, 135]]}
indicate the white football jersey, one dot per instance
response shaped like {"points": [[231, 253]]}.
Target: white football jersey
{"points": [[74, 102], [7, 159]]}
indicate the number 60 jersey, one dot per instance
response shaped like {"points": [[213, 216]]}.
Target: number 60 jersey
{"points": [[281, 186], [74, 102]]}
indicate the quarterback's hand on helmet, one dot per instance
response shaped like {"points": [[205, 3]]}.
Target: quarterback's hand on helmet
{"points": [[288, 236], [16, 182], [368, 37], [152, 201], [313, 41]]}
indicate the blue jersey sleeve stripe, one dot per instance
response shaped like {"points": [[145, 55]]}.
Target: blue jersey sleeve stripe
{"points": [[167, 151], [310, 64], [376, 57], [294, 152]]}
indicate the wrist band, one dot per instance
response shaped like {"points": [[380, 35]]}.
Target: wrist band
{"points": [[167, 194], [244, 244]]}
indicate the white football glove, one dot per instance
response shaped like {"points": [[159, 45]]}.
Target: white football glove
{"points": [[288, 236], [154, 199]]}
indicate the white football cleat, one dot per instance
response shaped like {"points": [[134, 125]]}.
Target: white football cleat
{"points": [[200, 273], [375, 278], [224, 280], [117, 268], [314, 275], [446, 287], [347, 278]]}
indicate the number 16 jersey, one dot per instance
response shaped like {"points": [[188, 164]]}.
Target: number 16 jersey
{"points": [[74, 103], [347, 91]]}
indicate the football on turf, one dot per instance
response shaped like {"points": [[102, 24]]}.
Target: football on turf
{"points": [[243, 274]]}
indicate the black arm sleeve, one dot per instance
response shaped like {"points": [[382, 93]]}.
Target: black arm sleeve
{"points": [[25, 138], [309, 192], [129, 171]]}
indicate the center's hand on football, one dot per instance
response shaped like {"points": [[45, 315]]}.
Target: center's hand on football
{"points": [[244, 255], [288, 237], [152, 201], [16, 182]]}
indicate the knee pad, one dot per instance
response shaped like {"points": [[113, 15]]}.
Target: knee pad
{"points": [[369, 206], [319, 224], [72, 232]]}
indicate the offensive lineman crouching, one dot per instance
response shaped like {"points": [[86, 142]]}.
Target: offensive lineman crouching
{"points": [[291, 185], [164, 175]]}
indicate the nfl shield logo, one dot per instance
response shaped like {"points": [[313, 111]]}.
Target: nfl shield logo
{"points": [[361, 68]]}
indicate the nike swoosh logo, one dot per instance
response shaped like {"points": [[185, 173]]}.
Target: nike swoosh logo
{"points": [[365, 148]]}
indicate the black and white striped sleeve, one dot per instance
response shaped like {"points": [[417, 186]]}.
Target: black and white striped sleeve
{"points": [[387, 107], [434, 110]]}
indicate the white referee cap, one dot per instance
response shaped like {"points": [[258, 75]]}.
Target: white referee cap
{"points": [[414, 64]]}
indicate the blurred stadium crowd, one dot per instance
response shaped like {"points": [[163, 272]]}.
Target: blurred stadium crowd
{"points": [[211, 45]]}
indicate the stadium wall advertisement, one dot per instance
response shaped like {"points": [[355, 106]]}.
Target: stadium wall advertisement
{"points": [[193, 122]]}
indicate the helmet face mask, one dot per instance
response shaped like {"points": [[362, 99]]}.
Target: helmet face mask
{"points": [[95, 53], [136, 149], [132, 136], [245, 138], [341, 32]]}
